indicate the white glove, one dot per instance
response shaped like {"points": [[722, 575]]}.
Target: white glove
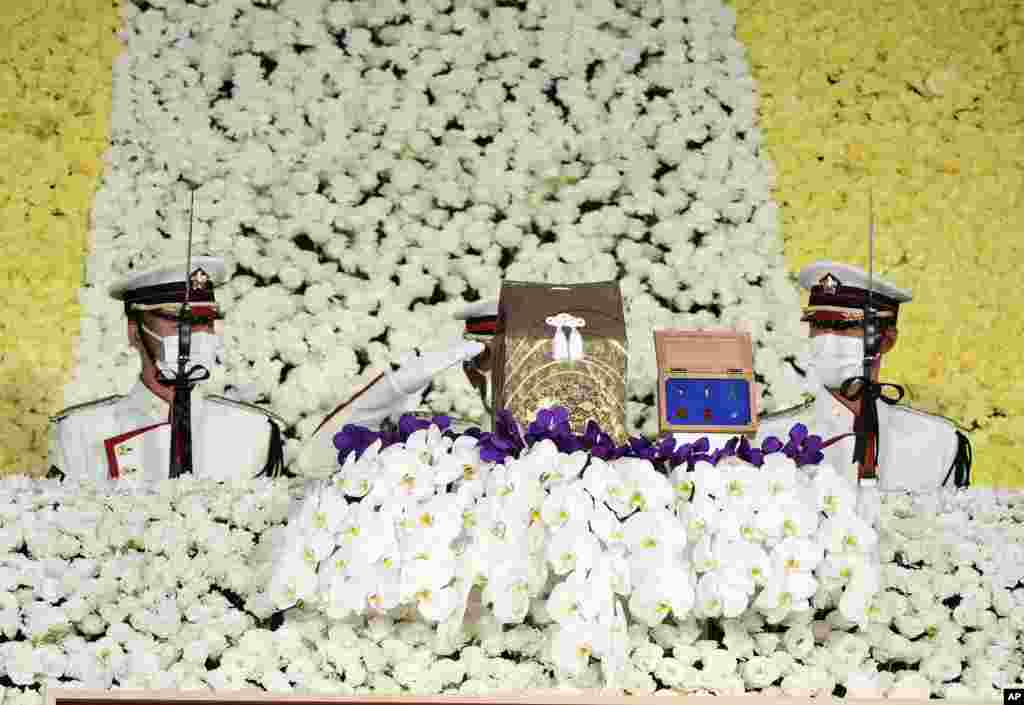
{"points": [[392, 395], [402, 390]]}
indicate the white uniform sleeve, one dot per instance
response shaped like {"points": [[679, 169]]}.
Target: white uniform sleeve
{"points": [[73, 449], [55, 453], [949, 446]]}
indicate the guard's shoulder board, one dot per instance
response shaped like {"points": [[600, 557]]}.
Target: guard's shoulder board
{"points": [[791, 411], [105, 401], [930, 415], [217, 399]]}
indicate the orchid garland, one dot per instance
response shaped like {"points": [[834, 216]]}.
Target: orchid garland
{"points": [[546, 531], [509, 440]]}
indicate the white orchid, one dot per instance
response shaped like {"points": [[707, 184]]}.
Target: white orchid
{"points": [[564, 602], [368, 535], [431, 525], [702, 517], [636, 486], [572, 547], [607, 526], [742, 489], [319, 521], [429, 444], [566, 504], [509, 590], [575, 642], [791, 582], [500, 528], [514, 485], [597, 478], [580, 596], [747, 566], [461, 464], [376, 586], [669, 593], [847, 533], [719, 596], [654, 539], [404, 473], [708, 481], [835, 495], [428, 570], [786, 516], [683, 485]]}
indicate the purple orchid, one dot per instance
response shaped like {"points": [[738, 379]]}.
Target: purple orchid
{"points": [[353, 438], [803, 447], [506, 440], [509, 440], [642, 448], [550, 422]]}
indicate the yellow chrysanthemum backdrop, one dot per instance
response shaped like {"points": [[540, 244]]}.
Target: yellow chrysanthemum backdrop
{"points": [[55, 80], [923, 102], [920, 100]]}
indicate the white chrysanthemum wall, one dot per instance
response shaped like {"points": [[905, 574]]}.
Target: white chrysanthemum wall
{"points": [[368, 167]]}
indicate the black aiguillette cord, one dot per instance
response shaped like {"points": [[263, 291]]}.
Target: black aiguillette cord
{"points": [[865, 424]]}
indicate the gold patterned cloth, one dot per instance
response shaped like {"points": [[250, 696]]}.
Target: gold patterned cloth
{"points": [[562, 345]]}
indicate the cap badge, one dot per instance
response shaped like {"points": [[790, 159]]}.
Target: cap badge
{"points": [[829, 284], [199, 280]]}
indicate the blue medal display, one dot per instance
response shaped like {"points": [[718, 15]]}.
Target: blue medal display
{"points": [[707, 402]]}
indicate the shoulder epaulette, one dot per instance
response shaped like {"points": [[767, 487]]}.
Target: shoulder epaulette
{"points": [[786, 412], [244, 405], [919, 412], [85, 405]]}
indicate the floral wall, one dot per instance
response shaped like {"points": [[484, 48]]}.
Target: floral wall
{"points": [[922, 102], [926, 112], [55, 83]]}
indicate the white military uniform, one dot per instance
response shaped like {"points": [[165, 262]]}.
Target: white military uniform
{"points": [[94, 442], [916, 450], [129, 436]]}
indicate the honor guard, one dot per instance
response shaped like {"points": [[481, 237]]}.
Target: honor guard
{"points": [[913, 450], [129, 436]]}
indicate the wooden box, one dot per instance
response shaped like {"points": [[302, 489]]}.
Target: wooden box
{"points": [[705, 381]]}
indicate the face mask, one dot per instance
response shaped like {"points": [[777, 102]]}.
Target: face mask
{"points": [[204, 351], [837, 358]]}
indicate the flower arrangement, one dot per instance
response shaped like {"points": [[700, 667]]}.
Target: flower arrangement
{"points": [[580, 542], [168, 587]]}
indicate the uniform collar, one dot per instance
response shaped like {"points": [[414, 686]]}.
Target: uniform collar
{"points": [[143, 399], [825, 404], [834, 418]]}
